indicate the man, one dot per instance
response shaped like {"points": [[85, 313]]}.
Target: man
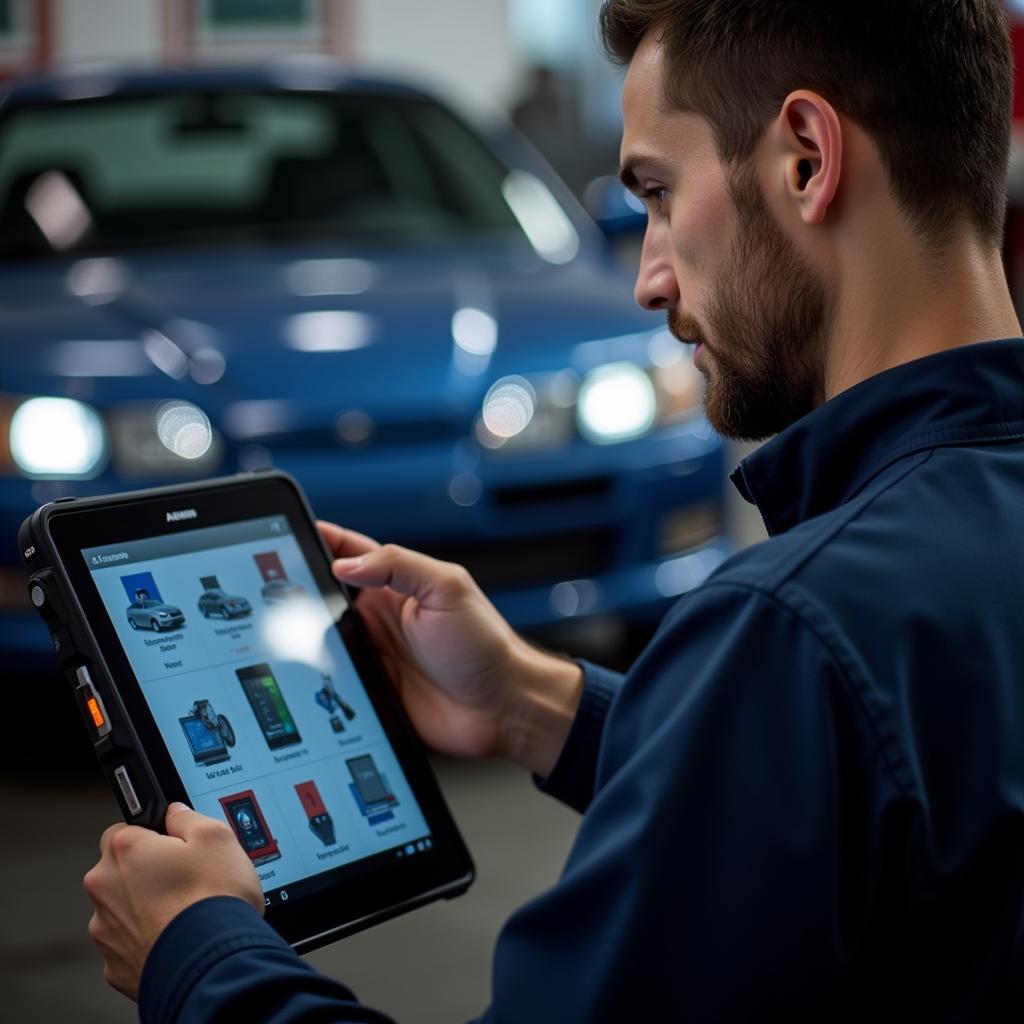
{"points": [[806, 799]]}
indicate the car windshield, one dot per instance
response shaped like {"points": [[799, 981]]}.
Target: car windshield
{"points": [[105, 174]]}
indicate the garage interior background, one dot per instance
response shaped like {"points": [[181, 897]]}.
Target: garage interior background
{"points": [[534, 60]]}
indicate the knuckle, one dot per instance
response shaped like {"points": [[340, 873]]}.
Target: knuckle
{"points": [[95, 929], [121, 842], [91, 882], [455, 579], [461, 576]]}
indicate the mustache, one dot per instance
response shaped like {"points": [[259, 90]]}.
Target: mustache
{"points": [[685, 328]]}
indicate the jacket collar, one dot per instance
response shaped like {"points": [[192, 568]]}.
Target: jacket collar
{"points": [[973, 393]]}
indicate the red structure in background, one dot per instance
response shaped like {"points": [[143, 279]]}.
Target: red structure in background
{"points": [[38, 52]]}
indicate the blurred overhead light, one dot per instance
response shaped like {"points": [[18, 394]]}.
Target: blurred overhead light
{"points": [[328, 331], [330, 277], [207, 366], [164, 354], [475, 331], [259, 418], [58, 209], [97, 280], [100, 359], [542, 219]]}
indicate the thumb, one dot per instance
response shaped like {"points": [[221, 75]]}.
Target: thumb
{"points": [[181, 820]]}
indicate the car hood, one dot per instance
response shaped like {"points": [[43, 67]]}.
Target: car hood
{"points": [[287, 335]]}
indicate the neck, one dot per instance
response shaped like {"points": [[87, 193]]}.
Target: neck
{"points": [[897, 308]]}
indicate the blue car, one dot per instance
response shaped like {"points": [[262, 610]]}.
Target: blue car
{"points": [[207, 270]]}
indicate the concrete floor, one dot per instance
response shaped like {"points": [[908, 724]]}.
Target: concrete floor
{"points": [[432, 965]]}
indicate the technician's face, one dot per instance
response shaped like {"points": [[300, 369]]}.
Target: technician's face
{"points": [[717, 262]]}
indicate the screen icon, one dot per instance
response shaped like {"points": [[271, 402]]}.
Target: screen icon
{"points": [[371, 790], [268, 705], [250, 827], [209, 735], [320, 822]]}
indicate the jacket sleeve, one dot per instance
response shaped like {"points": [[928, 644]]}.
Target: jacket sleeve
{"points": [[573, 777], [219, 961]]}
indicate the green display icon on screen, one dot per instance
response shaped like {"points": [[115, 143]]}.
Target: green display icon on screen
{"points": [[268, 705]]}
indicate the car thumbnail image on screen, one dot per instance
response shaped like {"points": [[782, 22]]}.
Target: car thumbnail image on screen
{"points": [[148, 610], [216, 601], [277, 588]]}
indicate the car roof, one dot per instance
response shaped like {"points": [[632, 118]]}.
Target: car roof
{"points": [[286, 74]]}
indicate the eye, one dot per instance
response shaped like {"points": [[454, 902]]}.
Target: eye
{"points": [[657, 195]]}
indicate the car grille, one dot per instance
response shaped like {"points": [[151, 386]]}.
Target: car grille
{"points": [[586, 489], [501, 565], [384, 433]]}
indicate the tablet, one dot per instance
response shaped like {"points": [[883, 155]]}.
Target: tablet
{"points": [[217, 661]]}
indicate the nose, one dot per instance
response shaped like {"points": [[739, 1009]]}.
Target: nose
{"points": [[656, 284]]}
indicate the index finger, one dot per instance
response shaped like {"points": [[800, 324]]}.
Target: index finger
{"points": [[345, 543]]}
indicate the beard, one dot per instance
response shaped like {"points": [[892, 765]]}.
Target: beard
{"points": [[766, 325]]}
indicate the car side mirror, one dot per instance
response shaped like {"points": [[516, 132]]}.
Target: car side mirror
{"points": [[617, 211]]}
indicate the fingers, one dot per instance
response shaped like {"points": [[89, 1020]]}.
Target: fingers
{"points": [[345, 543], [433, 583]]}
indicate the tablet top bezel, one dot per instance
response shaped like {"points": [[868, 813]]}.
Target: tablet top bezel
{"points": [[343, 899]]}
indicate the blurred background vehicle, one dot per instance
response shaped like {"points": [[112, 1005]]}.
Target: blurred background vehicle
{"points": [[214, 269]]}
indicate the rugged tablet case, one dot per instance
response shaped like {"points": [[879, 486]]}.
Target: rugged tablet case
{"points": [[115, 741]]}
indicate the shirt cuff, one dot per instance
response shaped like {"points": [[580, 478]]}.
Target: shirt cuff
{"points": [[200, 936], [572, 778]]}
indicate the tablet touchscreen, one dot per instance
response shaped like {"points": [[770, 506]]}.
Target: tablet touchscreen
{"points": [[253, 690]]}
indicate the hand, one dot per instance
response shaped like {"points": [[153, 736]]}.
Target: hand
{"points": [[143, 880], [471, 686]]}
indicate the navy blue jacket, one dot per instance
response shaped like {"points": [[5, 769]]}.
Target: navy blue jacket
{"points": [[806, 799]]}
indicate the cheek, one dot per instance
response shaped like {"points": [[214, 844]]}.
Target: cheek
{"points": [[702, 229]]}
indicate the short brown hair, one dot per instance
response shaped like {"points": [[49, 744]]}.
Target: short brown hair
{"points": [[930, 80]]}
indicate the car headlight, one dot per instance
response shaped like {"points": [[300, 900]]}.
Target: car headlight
{"points": [[616, 402], [57, 437]]}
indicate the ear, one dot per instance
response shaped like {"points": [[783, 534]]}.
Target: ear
{"points": [[811, 144]]}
